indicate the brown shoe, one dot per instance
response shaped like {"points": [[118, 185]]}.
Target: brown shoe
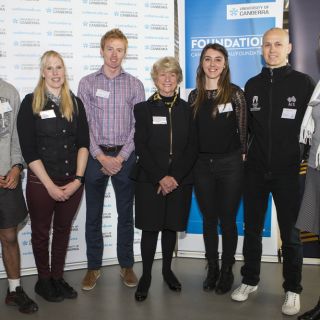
{"points": [[90, 279], [128, 277]]}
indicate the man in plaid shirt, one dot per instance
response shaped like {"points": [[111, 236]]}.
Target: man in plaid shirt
{"points": [[109, 96]]}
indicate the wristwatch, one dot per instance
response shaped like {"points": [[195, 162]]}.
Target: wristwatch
{"points": [[80, 178], [18, 165]]}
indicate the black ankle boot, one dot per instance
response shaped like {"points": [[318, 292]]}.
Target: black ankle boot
{"points": [[143, 288], [225, 281], [313, 314], [212, 276]]}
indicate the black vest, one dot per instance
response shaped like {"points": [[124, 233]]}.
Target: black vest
{"points": [[56, 142]]}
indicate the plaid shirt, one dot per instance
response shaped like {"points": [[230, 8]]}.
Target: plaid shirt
{"points": [[109, 107]]}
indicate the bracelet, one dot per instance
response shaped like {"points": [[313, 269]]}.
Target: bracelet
{"points": [[80, 178]]}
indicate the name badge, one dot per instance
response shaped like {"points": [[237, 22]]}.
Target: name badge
{"points": [[159, 120], [47, 114], [5, 107], [102, 94], [225, 107], [288, 113]]}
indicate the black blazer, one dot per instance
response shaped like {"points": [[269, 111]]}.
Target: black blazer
{"points": [[152, 141]]}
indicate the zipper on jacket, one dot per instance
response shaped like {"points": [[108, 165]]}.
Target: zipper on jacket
{"points": [[170, 119], [270, 120], [169, 106]]}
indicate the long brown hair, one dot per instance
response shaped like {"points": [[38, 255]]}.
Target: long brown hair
{"points": [[224, 82], [39, 97]]}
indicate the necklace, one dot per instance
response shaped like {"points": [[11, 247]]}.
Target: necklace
{"points": [[169, 104]]}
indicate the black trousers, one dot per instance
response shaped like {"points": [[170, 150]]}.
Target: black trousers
{"points": [[285, 192], [218, 188]]}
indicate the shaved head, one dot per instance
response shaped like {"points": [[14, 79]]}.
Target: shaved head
{"points": [[276, 47], [278, 31]]}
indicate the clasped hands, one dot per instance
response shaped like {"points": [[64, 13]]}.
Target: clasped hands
{"points": [[11, 180], [63, 193], [110, 165], [166, 185]]}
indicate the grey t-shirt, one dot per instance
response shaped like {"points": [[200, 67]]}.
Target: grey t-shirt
{"points": [[10, 152]]}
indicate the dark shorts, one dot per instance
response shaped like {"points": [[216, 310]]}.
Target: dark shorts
{"points": [[13, 208]]}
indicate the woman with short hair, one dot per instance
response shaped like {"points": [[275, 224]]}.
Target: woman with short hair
{"points": [[166, 152]]}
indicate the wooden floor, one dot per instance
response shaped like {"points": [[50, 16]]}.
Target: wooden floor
{"points": [[111, 300]]}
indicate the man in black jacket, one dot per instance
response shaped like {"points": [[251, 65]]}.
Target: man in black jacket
{"points": [[277, 99]]}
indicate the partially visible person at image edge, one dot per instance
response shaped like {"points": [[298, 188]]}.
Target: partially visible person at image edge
{"points": [[13, 209], [309, 214]]}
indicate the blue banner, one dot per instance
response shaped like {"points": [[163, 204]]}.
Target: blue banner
{"points": [[195, 225], [239, 26], [236, 24]]}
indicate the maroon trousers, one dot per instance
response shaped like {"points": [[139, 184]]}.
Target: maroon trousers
{"points": [[45, 211]]}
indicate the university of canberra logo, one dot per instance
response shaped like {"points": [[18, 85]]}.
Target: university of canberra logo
{"points": [[251, 10]]}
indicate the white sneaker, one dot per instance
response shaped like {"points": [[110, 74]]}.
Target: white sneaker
{"points": [[242, 292], [291, 303]]}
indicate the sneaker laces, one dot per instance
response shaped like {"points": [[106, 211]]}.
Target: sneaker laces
{"points": [[243, 289], [292, 297], [286, 299]]}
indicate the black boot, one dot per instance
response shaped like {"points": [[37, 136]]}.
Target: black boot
{"points": [[313, 314], [212, 276], [225, 281]]}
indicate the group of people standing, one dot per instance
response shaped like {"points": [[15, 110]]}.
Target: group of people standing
{"points": [[224, 142]]}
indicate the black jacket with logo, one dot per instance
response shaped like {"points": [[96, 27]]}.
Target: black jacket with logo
{"points": [[276, 100]]}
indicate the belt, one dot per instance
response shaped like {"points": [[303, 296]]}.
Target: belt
{"points": [[110, 149]]}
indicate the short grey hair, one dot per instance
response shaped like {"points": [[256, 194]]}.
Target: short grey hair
{"points": [[166, 64]]}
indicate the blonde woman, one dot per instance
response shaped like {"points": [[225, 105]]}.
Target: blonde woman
{"points": [[166, 151], [54, 138]]}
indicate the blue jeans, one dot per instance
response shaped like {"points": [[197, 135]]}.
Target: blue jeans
{"points": [[95, 187]]}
